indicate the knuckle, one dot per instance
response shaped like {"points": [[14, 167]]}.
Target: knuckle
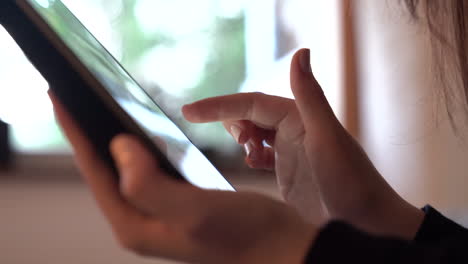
{"points": [[257, 94], [258, 97], [252, 103]]}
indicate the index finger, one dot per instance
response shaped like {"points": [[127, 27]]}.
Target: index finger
{"points": [[266, 111]]}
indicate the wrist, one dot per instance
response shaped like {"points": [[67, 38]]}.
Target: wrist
{"points": [[298, 245], [301, 244], [390, 215], [289, 244]]}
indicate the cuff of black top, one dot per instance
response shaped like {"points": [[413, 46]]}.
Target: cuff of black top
{"points": [[339, 242], [436, 226]]}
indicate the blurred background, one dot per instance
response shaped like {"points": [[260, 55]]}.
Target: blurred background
{"points": [[182, 50], [372, 61]]}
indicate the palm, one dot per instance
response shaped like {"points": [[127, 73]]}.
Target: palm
{"points": [[319, 169], [310, 177], [293, 172]]}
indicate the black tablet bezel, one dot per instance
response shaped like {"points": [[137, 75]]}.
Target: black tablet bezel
{"points": [[72, 83]]}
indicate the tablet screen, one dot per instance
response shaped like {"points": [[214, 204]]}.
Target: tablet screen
{"points": [[168, 137]]}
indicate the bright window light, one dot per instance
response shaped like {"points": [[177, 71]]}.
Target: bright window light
{"points": [[178, 68], [175, 18], [44, 3], [184, 49]]}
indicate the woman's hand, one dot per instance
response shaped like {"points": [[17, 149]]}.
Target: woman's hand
{"points": [[320, 168], [154, 215]]}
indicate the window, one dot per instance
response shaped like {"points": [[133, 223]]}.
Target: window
{"points": [[206, 48]]}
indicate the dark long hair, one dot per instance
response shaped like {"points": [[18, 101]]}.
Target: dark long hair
{"points": [[448, 23]]}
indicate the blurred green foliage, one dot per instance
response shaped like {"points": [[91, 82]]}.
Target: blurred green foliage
{"points": [[224, 73]]}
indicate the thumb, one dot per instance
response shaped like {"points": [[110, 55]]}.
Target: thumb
{"points": [[313, 107], [138, 170], [141, 181]]}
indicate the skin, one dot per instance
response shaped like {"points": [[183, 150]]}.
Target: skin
{"points": [[195, 226], [322, 172]]}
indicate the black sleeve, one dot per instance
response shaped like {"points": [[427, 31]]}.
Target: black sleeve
{"points": [[436, 227], [439, 240]]}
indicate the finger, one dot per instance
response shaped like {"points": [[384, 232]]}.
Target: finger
{"points": [[144, 184], [313, 107], [178, 206], [244, 131], [240, 131], [261, 159], [134, 230], [99, 177], [138, 172], [263, 110]]}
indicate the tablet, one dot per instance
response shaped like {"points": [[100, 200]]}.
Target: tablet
{"points": [[98, 92]]}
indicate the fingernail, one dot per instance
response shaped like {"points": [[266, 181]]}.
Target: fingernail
{"points": [[251, 152], [304, 61], [236, 132], [248, 148]]}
